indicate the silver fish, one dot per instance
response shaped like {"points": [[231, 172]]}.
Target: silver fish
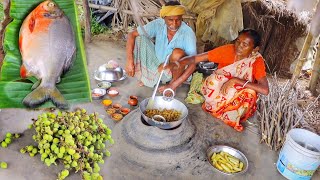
{"points": [[47, 46]]}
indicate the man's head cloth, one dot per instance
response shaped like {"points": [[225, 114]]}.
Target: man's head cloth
{"points": [[172, 11]]}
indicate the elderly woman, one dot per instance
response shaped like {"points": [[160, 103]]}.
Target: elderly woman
{"points": [[231, 91], [173, 38]]}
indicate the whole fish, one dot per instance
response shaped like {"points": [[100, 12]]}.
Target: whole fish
{"points": [[47, 46]]}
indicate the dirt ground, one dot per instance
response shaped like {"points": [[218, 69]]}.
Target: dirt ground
{"points": [[132, 158]]}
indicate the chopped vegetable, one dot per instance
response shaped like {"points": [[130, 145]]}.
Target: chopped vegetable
{"points": [[226, 162]]}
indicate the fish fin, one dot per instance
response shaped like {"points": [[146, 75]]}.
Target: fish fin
{"points": [[23, 72], [36, 84], [42, 94], [58, 80], [68, 62]]}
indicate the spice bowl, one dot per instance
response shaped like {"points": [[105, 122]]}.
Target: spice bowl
{"points": [[98, 93], [113, 92], [106, 102], [125, 111], [116, 116], [117, 106], [111, 111]]}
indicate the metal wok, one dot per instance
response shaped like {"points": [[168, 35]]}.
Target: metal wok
{"points": [[161, 102]]}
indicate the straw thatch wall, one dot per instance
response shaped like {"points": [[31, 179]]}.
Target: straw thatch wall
{"points": [[280, 31]]}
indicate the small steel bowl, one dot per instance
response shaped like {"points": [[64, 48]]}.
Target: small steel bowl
{"points": [[110, 75], [234, 152], [98, 93], [104, 84]]}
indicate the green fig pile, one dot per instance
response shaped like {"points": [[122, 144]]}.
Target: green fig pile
{"points": [[75, 139]]}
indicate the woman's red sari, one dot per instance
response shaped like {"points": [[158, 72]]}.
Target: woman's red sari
{"points": [[239, 103]]}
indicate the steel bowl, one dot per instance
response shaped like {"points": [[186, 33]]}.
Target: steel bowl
{"points": [[161, 102], [98, 93], [234, 152], [110, 75], [104, 84], [207, 67]]}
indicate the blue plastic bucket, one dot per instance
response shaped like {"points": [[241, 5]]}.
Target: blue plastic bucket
{"points": [[299, 157]]}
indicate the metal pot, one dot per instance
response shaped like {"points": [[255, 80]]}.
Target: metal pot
{"points": [[161, 102], [207, 68]]}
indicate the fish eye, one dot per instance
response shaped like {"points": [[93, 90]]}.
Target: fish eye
{"points": [[51, 4]]}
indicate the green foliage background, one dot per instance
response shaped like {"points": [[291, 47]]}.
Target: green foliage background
{"points": [[1, 11], [74, 85]]}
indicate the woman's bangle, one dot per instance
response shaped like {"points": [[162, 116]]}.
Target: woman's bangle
{"points": [[245, 84]]}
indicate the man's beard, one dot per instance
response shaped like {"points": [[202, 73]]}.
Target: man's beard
{"points": [[173, 29]]}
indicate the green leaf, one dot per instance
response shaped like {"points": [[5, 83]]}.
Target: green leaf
{"points": [[74, 85]]}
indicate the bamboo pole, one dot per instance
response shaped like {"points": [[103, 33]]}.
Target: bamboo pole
{"points": [[302, 57], [87, 15], [315, 73], [101, 7], [162, 2]]}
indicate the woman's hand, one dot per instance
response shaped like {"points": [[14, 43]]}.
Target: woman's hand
{"points": [[168, 66], [130, 68], [261, 86], [225, 87]]}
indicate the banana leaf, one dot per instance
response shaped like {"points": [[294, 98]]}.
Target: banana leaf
{"points": [[74, 85]]}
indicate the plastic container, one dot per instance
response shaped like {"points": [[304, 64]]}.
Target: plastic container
{"points": [[299, 157]]}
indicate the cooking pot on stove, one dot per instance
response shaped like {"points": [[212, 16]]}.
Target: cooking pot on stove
{"points": [[161, 102]]}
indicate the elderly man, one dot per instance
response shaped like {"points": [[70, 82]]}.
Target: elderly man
{"points": [[173, 38]]}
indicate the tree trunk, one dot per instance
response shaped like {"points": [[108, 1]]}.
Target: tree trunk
{"points": [[3, 25], [87, 15], [302, 57], [315, 73]]}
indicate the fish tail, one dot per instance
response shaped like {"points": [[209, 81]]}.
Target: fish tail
{"points": [[42, 94], [58, 99]]}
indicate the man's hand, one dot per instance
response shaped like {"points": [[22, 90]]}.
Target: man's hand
{"points": [[130, 69]]}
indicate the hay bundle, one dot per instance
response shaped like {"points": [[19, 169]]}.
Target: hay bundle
{"points": [[279, 29], [147, 10]]}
